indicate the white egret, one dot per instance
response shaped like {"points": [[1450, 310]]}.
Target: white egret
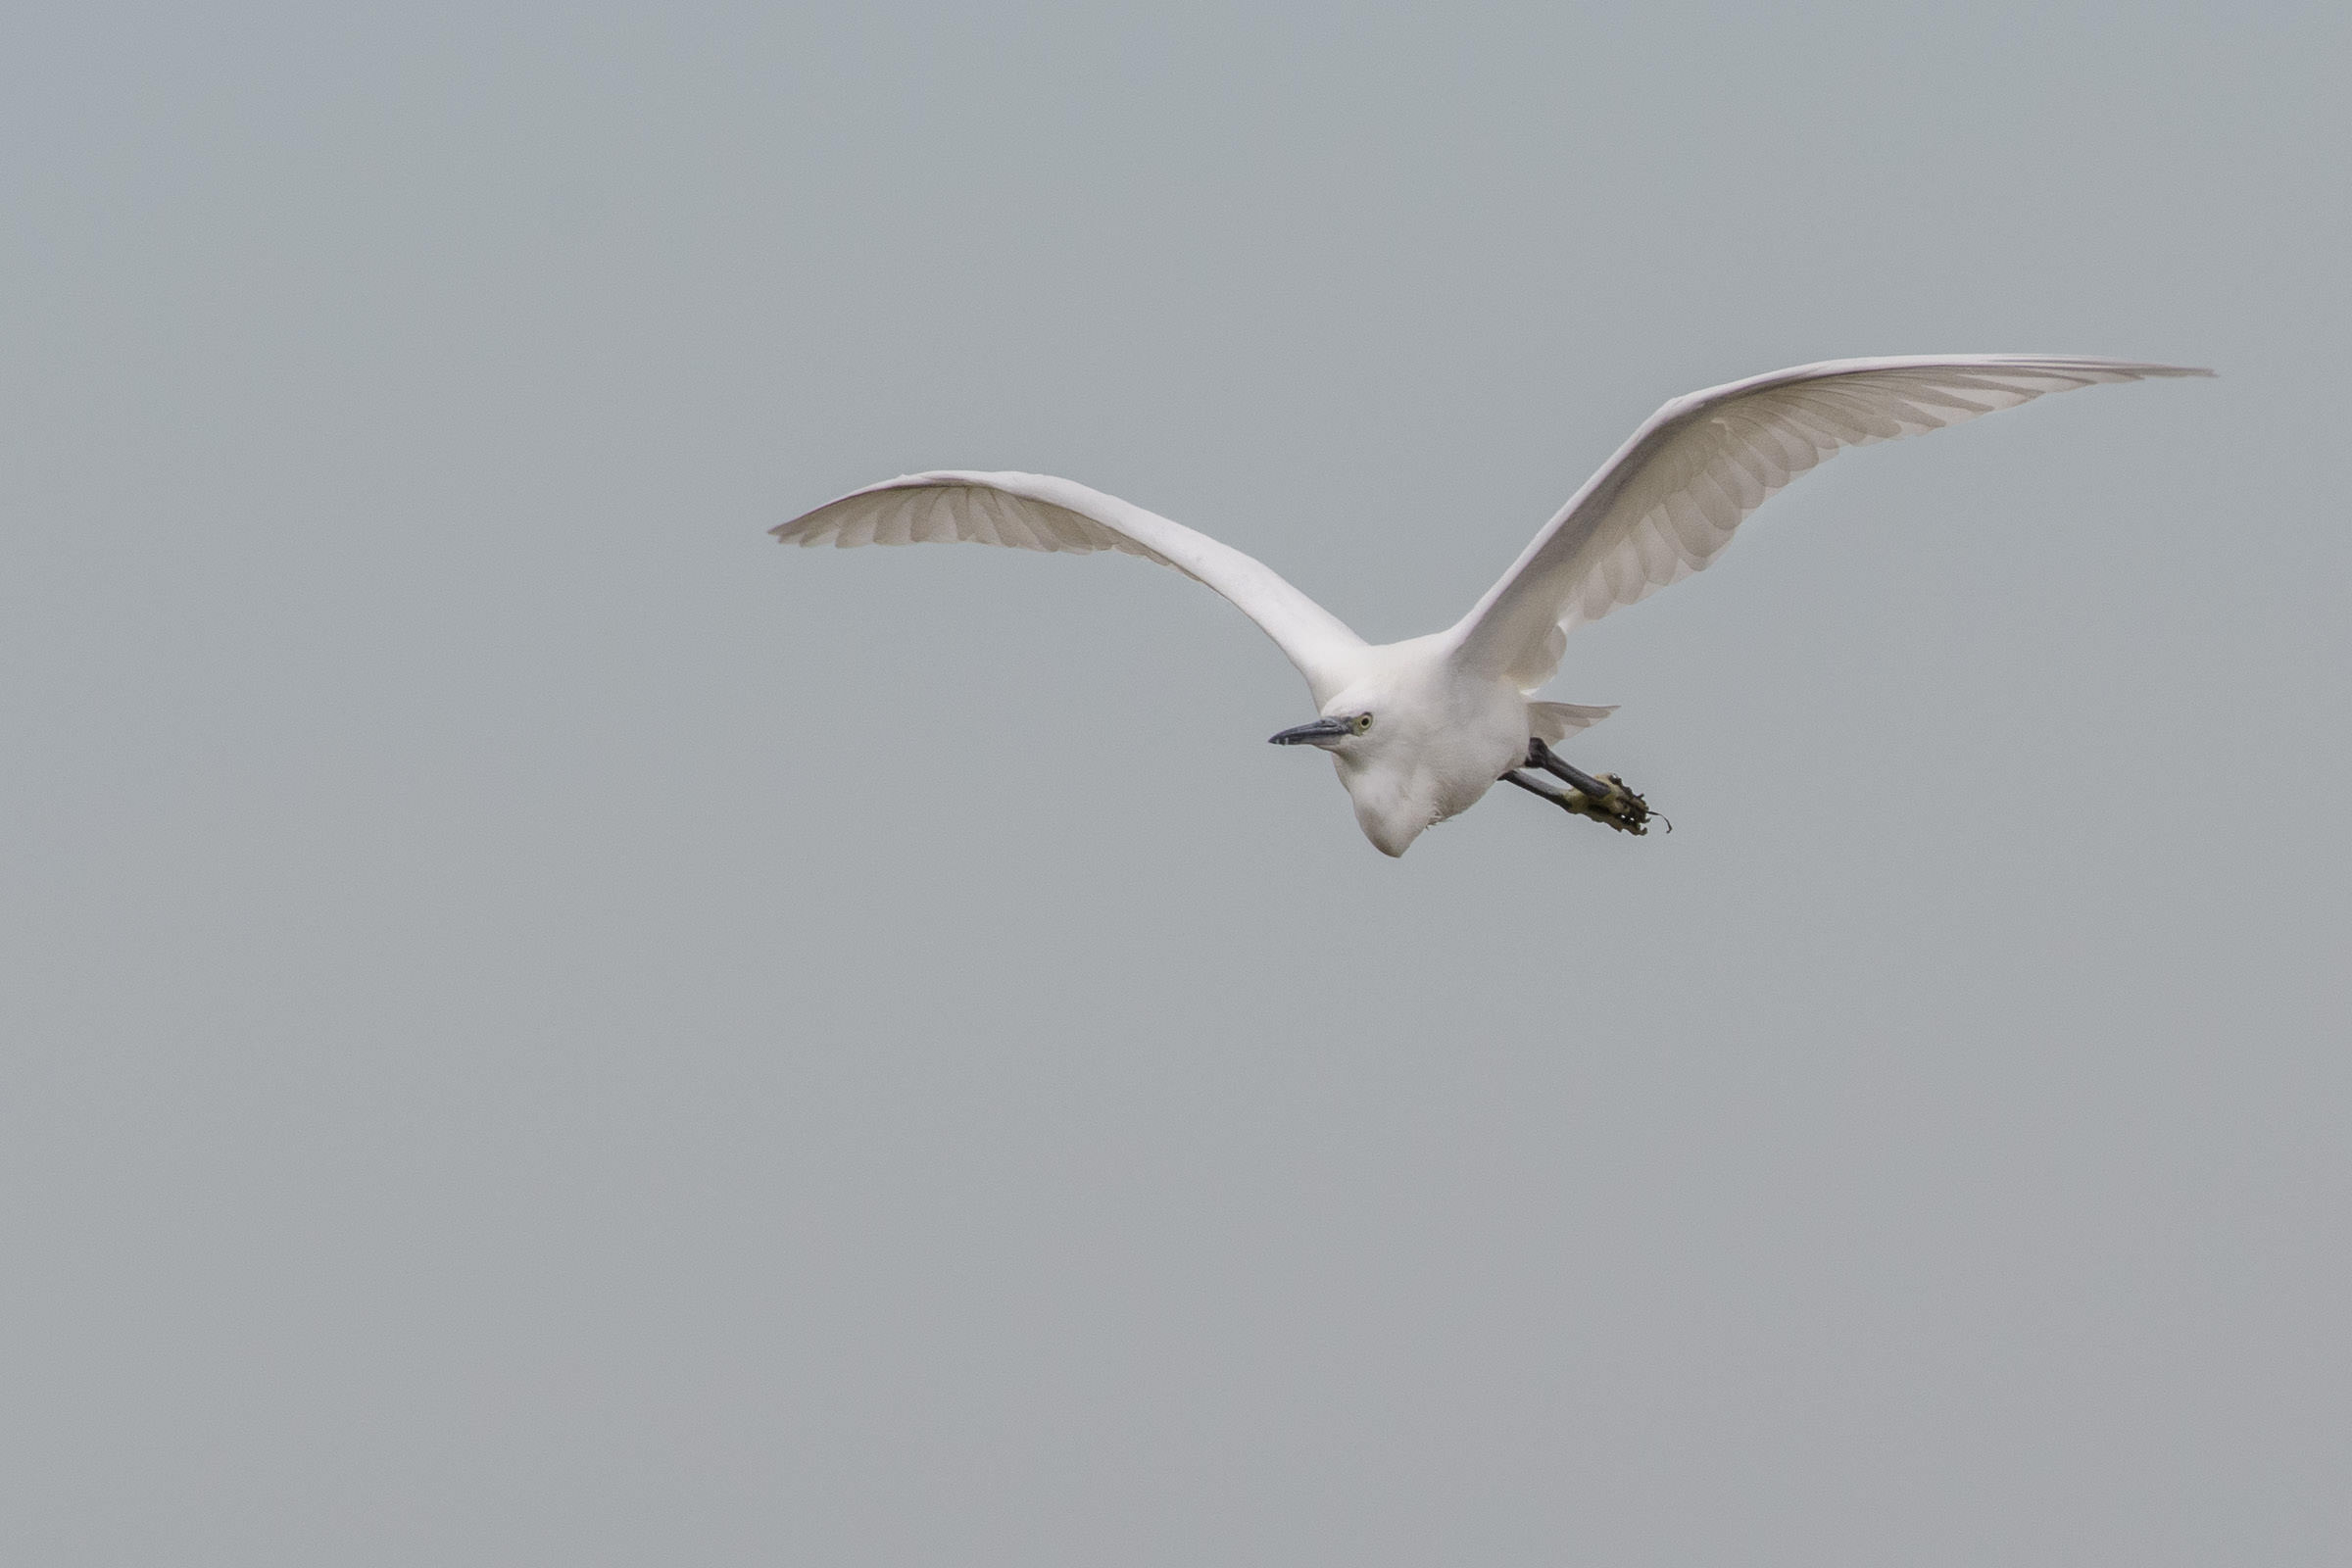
{"points": [[1421, 729]]}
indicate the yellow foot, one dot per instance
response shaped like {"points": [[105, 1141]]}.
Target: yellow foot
{"points": [[1606, 798], [1619, 809]]}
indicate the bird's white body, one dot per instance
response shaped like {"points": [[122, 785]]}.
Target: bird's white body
{"points": [[1421, 729], [1441, 736]]}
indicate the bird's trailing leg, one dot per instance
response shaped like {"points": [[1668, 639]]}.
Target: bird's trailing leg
{"points": [[1607, 800], [1575, 803]]}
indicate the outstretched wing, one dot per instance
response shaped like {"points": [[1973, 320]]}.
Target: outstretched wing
{"points": [[1035, 511], [1665, 506]]}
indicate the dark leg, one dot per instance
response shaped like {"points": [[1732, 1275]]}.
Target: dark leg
{"points": [[1528, 782], [1541, 756]]}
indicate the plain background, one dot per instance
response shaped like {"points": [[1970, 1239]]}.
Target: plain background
{"points": [[541, 1028]]}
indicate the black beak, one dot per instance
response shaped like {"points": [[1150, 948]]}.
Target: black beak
{"points": [[1314, 734]]}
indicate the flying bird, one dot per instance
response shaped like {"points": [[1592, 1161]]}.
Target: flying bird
{"points": [[1420, 730]]}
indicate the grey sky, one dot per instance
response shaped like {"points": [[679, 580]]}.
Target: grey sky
{"points": [[541, 1028]]}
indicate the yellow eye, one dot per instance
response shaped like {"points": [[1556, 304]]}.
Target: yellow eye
{"points": [[1360, 724]]}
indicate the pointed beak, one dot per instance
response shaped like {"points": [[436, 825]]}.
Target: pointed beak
{"points": [[1322, 732]]}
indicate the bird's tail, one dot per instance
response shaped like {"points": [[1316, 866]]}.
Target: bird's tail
{"points": [[1552, 722]]}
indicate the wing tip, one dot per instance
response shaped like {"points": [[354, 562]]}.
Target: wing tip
{"points": [[2148, 368], [2136, 369]]}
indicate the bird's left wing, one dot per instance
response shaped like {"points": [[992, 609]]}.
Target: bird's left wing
{"points": [[1665, 506], [1035, 511]]}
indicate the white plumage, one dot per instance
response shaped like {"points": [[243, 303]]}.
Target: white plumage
{"points": [[1421, 729]]}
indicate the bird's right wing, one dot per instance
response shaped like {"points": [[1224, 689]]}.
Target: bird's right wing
{"points": [[1665, 506], [1035, 511]]}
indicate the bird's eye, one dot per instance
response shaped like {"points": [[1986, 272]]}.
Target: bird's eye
{"points": [[1360, 724]]}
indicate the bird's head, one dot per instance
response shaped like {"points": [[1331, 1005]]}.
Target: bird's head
{"points": [[1378, 763]]}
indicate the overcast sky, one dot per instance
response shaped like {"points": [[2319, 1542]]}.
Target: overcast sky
{"points": [[540, 1028]]}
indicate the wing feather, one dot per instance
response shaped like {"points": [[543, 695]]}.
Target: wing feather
{"points": [[1667, 504], [1036, 511]]}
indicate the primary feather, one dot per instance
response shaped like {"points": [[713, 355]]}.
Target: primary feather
{"points": [[1037, 512], [1666, 504]]}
